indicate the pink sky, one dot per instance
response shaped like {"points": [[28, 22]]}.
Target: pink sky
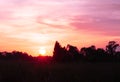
{"points": [[28, 25]]}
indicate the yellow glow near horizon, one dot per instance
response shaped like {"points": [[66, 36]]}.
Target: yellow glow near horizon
{"points": [[42, 51]]}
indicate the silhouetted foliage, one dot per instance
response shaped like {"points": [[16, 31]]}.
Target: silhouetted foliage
{"points": [[72, 53], [15, 55], [58, 52], [111, 47]]}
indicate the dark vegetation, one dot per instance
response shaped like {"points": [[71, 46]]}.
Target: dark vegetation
{"points": [[89, 54], [68, 64]]}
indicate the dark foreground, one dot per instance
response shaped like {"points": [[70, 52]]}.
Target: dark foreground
{"points": [[14, 71]]}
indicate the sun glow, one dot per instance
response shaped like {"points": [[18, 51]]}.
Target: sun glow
{"points": [[42, 51]]}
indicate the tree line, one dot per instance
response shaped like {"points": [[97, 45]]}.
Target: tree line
{"points": [[72, 53], [15, 55]]}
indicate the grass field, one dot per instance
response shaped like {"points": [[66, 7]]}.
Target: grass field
{"points": [[15, 71]]}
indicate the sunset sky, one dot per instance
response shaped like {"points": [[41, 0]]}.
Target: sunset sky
{"points": [[28, 25]]}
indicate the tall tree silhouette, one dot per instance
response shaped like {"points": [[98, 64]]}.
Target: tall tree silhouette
{"points": [[111, 47], [58, 53]]}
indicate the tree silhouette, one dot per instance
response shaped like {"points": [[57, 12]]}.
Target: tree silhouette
{"points": [[111, 47], [90, 53], [58, 52], [74, 52], [101, 55], [83, 51], [71, 53], [15, 55]]}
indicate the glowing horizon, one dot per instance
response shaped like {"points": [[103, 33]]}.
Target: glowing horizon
{"points": [[27, 25]]}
